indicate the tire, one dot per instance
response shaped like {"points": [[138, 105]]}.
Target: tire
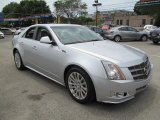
{"points": [[117, 38], [144, 38], [155, 42], [80, 85], [18, 61]]}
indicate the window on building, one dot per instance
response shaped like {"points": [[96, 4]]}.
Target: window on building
{"points": [[143, 22], [121, 22], [151, 22], [127, 22], [117, 22]]}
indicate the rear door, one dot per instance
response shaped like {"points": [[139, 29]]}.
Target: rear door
{"points": [[133, 33], [47, 57]]}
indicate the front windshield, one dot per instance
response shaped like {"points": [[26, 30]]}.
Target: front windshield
{"points": [[75, 34]]}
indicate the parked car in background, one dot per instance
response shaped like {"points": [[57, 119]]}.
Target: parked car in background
{"points": [[149, 28], [126, 33], [99, 31], [89, 66], [155, 36], [1, 35], [19, 30], [8, 31]]}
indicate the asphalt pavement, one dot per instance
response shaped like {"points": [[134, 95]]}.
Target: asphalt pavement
{"points": [[25, 95]]}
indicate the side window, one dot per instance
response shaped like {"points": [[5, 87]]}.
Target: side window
{"points": [[132, 29], [122, 29], [43, 32], [30, 33]]}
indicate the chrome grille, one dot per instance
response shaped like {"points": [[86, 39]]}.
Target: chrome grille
{"points": [[141, 71]]}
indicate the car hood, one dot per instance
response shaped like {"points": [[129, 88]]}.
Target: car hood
{"points": [[122, 55]]}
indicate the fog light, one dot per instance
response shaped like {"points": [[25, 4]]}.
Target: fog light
{"points": [[121, 94]]}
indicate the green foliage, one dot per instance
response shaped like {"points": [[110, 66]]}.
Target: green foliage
{"points": [[70, 8], [26, 8], [10, 9], [157, 21], [4, 24], [147, 8]]}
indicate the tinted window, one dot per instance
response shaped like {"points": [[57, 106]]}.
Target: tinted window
{"points": [[132, 29], [123, 29], [30, 33], [43, 32]]}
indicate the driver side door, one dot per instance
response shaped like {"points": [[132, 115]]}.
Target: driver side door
{"points": [[47, 56]]}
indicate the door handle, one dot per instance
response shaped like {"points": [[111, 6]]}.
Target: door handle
{"points": [[34, 47]]}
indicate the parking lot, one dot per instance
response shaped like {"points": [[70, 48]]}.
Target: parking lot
{"points": [[25, 95]]}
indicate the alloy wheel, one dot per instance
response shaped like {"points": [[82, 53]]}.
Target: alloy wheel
{"points": [[17, 60], [77, 85]]}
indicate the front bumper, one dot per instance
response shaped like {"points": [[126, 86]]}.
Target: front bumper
{"points": [[124, 90], [155, 38]]}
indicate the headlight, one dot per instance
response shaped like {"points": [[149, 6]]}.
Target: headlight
{"points": [[113, 71]]}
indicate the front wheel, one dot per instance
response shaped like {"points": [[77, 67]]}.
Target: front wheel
{"points": [[117, 38], [18, 61], [144, 38], [80, 85]]}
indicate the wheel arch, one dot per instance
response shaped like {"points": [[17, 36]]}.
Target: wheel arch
{"points": [[117, 35], [14, 50], [78, 66]]}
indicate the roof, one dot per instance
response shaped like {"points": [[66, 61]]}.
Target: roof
{"points": [[49, 25]]}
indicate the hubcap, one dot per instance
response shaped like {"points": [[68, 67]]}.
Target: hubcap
{"points": [[117, 39], [77, 85], [17, 60], [144, 38]]}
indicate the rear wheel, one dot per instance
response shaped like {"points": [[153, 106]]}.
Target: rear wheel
{"points": [[18, 61], [144, 38], [80, 85], [117, 38]]}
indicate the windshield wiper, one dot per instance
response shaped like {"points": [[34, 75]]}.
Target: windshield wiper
{"points": [[84, 41]]}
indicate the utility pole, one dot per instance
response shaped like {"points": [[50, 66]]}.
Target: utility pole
{"points": [[96, 4]]}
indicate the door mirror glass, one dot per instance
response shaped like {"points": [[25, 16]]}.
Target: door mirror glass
{"points": [[45, 40]]}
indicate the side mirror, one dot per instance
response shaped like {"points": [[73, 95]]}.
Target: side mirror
{"points": [[45, 40], [17, 33]]}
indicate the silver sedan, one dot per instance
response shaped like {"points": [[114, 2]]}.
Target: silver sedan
{"points": [[76, 57], [126, 33]]}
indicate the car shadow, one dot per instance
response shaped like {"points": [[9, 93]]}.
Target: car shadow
{"points": [[158, 44], [131, 108]]}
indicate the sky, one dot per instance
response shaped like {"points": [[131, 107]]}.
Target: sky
{"points": [[106, 4]]}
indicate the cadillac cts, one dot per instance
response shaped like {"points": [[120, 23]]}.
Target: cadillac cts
{"points": [[91, 68]]}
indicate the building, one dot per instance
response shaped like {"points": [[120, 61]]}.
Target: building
{"points": [[134, 20], [107, 17], [124, 17]]}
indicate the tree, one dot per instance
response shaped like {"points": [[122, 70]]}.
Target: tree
{"points": [[31, 7], [70, 8], [152, 8], [10, 10], [25, 8]]}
